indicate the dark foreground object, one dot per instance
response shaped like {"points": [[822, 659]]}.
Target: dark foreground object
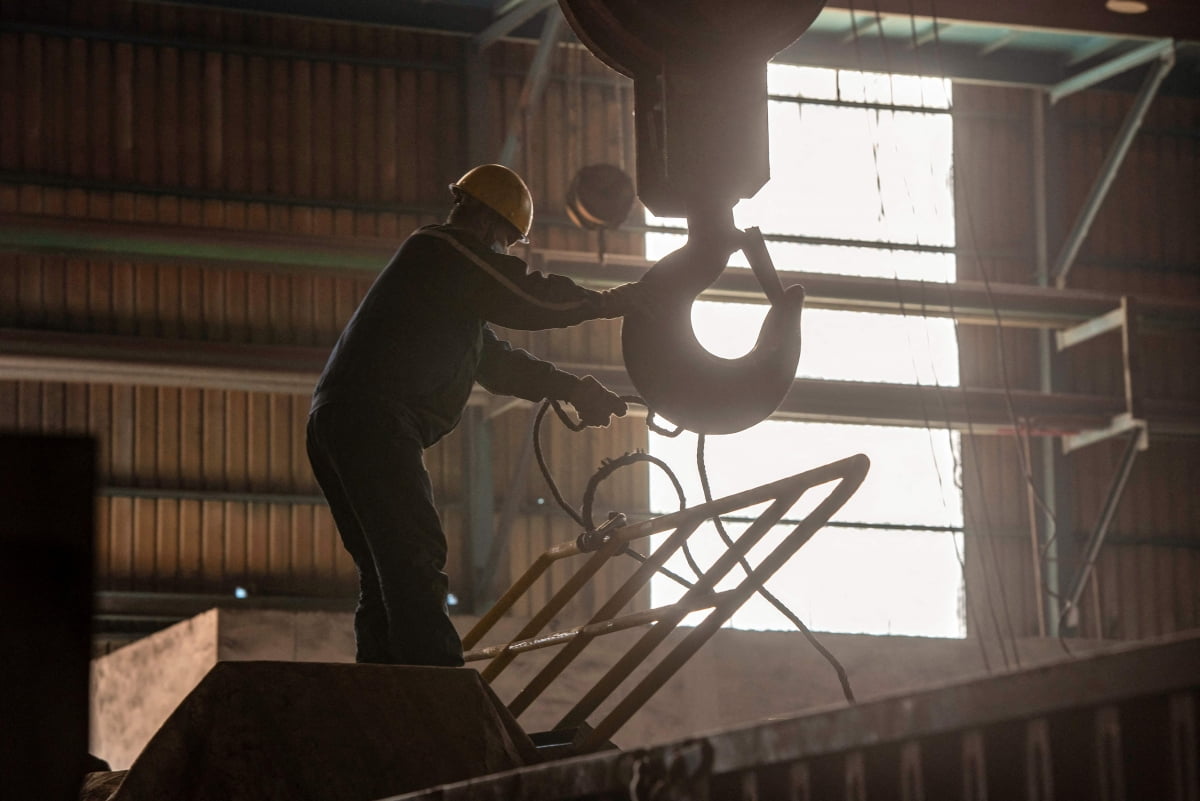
{"points": [[328, 732], [46, 489]]}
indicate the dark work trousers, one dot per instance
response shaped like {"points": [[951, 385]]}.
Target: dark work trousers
{"points": [[370, 467]]}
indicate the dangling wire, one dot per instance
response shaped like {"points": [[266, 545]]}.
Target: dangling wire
{"points": [[1026, 470], [584, 517], [760, 588], [903, 310], [955, 477]]}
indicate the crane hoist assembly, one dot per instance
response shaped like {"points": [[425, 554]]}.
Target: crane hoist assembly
{"points": [[699, 69]]}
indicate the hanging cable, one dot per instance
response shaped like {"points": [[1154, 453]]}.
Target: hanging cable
{"points": [[956, 467], [883, 214], [968, 610], [584, 516], [1026, 470], [761, 589]]}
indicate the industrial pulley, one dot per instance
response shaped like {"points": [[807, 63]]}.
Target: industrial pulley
{"points": [[699, 69]]}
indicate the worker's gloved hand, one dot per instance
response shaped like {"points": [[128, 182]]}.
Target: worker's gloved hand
{"points": [[639, 297], [595, 403]]}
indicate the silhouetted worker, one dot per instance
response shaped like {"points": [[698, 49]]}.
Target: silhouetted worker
{"points": [[398, 380]]}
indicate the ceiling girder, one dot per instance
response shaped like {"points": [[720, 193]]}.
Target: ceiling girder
{"points": [[508, 21]]}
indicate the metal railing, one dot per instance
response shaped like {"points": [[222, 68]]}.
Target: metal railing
{"points": [[781, 495]]}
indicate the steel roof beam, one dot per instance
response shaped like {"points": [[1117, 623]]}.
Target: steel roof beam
{"points": [[1177, 18], [858, 31], [1000, 42], [1163, 49], [930, 34], [535, 84], [509, 21], [1093, 47]]}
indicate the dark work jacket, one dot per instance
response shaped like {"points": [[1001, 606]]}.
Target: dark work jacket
{"points": [[420, 340]]}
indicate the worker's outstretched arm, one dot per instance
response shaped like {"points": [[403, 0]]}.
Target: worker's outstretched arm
{"points": [[501, 290], [505, 370]]}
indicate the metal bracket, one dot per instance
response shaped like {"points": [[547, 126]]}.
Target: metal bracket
{"points": [[1125, 319], [1130, 424], [1121, 424], [1089, 330]]}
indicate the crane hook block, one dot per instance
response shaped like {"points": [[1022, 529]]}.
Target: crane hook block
{"points": [[680, 379]]}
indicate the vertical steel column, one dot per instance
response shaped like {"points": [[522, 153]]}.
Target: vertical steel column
{"points": [[1048, 469], [476, 120], [535, 82]]}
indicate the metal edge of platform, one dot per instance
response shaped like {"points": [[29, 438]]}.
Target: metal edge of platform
{"points": [[1141, 669]]}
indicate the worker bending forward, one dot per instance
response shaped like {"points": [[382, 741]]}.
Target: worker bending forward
{"points": [[398, 380]]}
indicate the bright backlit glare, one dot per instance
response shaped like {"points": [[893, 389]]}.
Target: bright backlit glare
{"points": [[869, 176]]}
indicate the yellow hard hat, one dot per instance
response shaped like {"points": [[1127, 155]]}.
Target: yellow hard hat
{"points": [[501, 190]]}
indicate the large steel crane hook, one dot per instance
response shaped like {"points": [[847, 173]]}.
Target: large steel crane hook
{"points": [[699, 70], [675, 374]]}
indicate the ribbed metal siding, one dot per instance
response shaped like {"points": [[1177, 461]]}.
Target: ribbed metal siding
{"points": [[319, 113], [1144, 242], [182, 116]]}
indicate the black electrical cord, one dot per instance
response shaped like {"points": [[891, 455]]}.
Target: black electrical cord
{"points": [[584, 516], [761, 588]]}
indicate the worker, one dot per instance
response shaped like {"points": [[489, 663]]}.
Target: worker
{"points": [[398, 379]]}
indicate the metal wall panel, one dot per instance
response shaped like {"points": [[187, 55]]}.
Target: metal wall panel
{"points": [[1144, 242], [991, 149], [168, 115]]}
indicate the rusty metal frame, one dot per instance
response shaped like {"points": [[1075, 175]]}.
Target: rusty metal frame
{"points": [[782, 496]]}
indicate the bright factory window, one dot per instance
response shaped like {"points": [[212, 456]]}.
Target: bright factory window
{"points": [[858, 178]]}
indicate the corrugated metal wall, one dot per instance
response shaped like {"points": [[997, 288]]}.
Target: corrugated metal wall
{"points": [[1144, 241], [182, 118]]}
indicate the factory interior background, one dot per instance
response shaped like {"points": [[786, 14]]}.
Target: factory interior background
{"points": [[993, 212]]}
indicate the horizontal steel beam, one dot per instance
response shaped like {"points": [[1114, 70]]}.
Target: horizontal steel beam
{"points": [[101, 359], [968, 302], [1111, 321]]}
